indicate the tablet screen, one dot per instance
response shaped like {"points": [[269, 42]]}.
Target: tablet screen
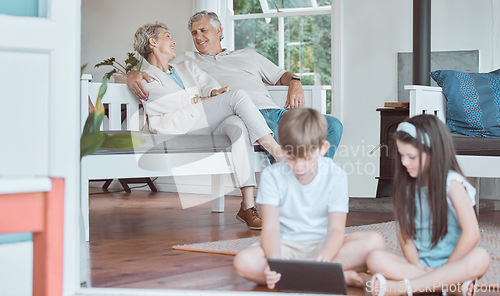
{"points": [[309, 276]]}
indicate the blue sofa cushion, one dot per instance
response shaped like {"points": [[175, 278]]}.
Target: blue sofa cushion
{"points": [[472, 102]]}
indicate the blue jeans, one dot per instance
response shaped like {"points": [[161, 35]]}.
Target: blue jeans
{"points": [[335, 127]]}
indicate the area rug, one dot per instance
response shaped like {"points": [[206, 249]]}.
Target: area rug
{"points": [[490, 240]]}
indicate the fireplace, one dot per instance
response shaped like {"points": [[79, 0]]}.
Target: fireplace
{"points": [[389, 120]]}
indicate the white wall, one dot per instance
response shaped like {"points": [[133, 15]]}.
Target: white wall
{"points": [[108, 27], [365, 62]]}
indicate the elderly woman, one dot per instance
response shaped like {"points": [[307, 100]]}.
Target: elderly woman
{"points": [[185, 100]]}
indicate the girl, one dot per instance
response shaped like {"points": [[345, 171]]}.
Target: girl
{"points": [[438, 230]]}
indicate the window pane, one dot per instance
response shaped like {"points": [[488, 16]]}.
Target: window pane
{"points": [[253, 6], [289, 4], [324, 2], [259, 35], [32, 8], [308, 48], [247, 6]]}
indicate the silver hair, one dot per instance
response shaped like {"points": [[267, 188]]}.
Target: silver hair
{"points": [[142, 36], [212, 17]]}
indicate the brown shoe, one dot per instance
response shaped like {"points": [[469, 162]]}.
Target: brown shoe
{"points": [[250, 217]]}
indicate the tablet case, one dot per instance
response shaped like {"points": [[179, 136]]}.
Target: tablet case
{"points": [[309, 276]]}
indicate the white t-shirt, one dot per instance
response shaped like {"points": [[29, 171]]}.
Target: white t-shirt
{"points": [[304, 209], [241, 69]]}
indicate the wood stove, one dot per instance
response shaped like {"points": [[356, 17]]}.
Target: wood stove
{"points": [[389, 120]]}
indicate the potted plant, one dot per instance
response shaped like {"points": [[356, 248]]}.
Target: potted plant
{"points": [[92, 138], [120, 71]]}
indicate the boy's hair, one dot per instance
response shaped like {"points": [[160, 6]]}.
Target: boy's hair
{"points": [[301, 131], [441, 158]]}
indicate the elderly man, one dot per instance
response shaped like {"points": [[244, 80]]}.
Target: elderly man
{"points": [[242, 69]]}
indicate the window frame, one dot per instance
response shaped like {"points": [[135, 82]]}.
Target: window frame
{"points": [[285, 12]]}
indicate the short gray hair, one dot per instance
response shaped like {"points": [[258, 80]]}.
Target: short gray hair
{"points": [[142, 36], [212, 17]]}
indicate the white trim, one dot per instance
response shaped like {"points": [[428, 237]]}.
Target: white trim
{"points": [[337, 64], [157, 292], [281, 42], [22, 185], [283, 13]]}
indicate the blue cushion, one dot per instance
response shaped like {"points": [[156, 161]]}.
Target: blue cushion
{"points": [[472, 102]]}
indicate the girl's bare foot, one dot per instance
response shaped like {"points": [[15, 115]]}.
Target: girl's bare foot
{"points": [[353, 279]]}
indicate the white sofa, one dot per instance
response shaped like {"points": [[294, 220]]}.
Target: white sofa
{"points": [[478, 157], [164, 155]]}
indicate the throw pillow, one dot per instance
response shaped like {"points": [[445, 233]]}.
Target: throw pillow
{"points": [[472, 102]]}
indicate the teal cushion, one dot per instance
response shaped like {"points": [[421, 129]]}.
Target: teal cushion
{"points": [[15, 237], [472, 102]]}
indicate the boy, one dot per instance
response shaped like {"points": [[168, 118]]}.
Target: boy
{"points": [[304, 206]]}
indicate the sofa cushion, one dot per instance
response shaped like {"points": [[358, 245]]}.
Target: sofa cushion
{"points": [[472, 102], [157, 143], [466, 145]]}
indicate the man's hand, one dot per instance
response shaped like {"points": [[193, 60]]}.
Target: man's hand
{"points": [[272, 277], [295, 95], [216, 92], [134, 82]]}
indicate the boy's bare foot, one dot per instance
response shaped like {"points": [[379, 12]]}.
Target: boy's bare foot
{"points": [[353, 279]]}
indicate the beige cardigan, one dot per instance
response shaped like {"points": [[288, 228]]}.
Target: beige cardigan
{"points": [[169, 107]]}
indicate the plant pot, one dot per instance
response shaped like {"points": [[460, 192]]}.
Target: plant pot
{"points": [[119, 78]]}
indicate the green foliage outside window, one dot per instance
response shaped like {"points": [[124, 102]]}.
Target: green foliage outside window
{"points": [[307, 39]]}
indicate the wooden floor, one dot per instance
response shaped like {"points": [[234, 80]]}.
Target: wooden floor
{"points": [[131, 236]]}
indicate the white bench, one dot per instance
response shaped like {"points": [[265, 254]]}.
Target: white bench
{"points": [[179, 162], [431, 100]]}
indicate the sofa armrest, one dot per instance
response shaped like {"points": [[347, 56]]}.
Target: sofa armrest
{"points": [[315, 95], [427, 100]]}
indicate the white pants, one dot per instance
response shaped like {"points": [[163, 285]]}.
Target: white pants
{"points": [[235, 115]]}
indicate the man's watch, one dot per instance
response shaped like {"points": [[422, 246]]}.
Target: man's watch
{"points": [[295, 77]]}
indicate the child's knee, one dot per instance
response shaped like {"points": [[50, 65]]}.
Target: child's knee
{"points": [[374, 241], [246, 265], [240, 263], [479, 262]]}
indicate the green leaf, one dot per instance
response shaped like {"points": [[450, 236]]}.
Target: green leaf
{"points": [[110, 73], [92, 123], [82, 68], [94, 120], [89, 143], [123, 141], [100, 94], [106, 62]]}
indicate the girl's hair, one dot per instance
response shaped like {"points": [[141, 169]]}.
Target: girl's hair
{"points": [[433, 139], [142, 36]]}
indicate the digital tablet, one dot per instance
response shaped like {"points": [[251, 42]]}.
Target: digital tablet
{"points": [[309, 276]]}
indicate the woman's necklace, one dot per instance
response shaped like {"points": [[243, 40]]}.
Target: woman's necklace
{"points": [[169, 70]]}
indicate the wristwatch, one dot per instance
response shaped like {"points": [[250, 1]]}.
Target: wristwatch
{"points": [[295, 77]]}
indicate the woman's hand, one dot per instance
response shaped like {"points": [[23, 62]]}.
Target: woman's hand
{"points": [[216, 92], [272, 277]]}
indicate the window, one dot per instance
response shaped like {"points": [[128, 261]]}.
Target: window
{"points": [[294, 34]]}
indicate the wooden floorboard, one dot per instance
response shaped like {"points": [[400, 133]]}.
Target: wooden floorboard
{"points": [[131, 239]]}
